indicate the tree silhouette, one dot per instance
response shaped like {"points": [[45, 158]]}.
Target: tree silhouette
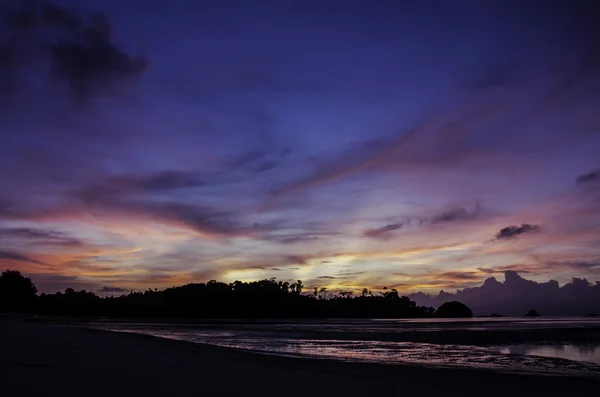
{"points": [[453, 310], [17, 292], [532, 313], [257, 299]]}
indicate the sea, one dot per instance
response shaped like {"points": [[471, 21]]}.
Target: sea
{"points": [[568, 346]]}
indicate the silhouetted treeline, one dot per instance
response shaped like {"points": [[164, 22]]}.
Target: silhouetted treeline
{"points": [[258, 299]]}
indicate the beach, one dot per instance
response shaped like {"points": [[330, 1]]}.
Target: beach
{"points": [[41, 359]]}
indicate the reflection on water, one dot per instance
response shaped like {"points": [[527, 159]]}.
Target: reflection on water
{"points": [[520, 358], [569, 352]]}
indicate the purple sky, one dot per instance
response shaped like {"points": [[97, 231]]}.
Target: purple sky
{"points": [[423, 145]]}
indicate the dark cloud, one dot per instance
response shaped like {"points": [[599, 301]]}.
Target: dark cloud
{"points": [[205, 220], [516, 296], [451, 216], [294, 260], [580, 265], [30, 233], [461, 276], [382, 233], [80, 50], [155, 182], [346, 273], [327, 277], [163, 181], [19, 258], [591, 266], [512, 231], [456, 215], [266, 166], [486, 271], [298, 239], [42, 237], [592, 176]]}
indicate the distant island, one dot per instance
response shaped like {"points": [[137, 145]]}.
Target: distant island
{"points": [[515, 296], [258, 299], [532, 313]]}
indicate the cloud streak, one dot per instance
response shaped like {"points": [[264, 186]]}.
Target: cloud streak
{"points": [[384, 232], [11, 256]]}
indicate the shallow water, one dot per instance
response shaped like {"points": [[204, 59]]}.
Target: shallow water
{"points": [[568, 352], [327, 340]]}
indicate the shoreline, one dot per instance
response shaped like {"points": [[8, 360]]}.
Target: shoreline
{"points": [[252, 353], [444, 334], [125, 361]]}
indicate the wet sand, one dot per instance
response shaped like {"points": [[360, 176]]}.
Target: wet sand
{"points": [[45, 360]]}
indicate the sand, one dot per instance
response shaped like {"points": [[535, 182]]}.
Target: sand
{"points": [[46, 360]]}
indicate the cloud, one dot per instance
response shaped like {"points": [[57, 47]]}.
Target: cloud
{"points": [[512, 231], [327, 277], [202, 219], [123, 185], [463, 276], [19, 258], [454, 215], [351, 162], [85, 57], [30, 233], [590, 177], [544, 267], [164, 180], [42, 237], [516, 296], [298, 239], [382, 233], [294, 260]]}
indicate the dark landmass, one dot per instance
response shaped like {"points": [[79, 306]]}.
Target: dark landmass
{"points": [[517, 295], [258, 299], [453, 310], [532, 313]]}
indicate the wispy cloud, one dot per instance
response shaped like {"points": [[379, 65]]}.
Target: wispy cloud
{"points": [[12, 256], [384, 232]]}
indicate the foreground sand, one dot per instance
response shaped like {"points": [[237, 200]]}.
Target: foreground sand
{"points": [[45, 360]]}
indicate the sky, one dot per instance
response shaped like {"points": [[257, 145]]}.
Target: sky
{"points": [[414, 145]]}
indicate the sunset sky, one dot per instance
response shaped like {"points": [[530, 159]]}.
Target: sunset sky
{"points": [[419, 145]]}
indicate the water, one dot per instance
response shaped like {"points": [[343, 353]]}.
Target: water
{"points": [[558, 346], [568, 352]]}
